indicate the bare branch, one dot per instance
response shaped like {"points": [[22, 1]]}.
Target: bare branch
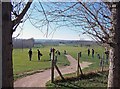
{"points": [[21, 15]]}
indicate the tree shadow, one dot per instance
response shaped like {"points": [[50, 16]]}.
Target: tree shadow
{"points": [[70, 82], [40, 60]]}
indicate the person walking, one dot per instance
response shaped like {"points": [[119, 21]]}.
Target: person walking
{"points": [[39, 55], [30, 54]]}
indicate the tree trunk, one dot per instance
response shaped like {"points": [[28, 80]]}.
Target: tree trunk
{"points": [[114, 68], [7, 30], [1, 45], [7, 67]]}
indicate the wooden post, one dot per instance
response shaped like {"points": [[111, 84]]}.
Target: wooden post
{"points": [[78, 64], [59, 72], [52, 66], [102, 63], [80, 70]]}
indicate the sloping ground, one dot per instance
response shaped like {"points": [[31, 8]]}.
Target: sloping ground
{"points": [[39, 79]]}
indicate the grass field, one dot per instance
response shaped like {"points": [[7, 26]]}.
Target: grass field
{"points": [[22, 64], [95, 61], [91, 80]]}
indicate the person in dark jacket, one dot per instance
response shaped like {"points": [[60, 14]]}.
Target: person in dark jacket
{"points": [[93, 53], [88, 52], [107, 56], [30, 54], [39, 55]]}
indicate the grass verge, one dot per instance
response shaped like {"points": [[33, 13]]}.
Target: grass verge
{"points": [[95, 79]]}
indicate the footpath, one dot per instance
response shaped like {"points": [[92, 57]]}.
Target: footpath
{"points": [[40, 79]]}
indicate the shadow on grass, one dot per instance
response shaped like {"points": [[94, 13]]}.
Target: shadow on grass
{"points": [[40, 61], [90, 80]]}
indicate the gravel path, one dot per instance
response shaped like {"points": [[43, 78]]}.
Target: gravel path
{"points": [[39, 79]]}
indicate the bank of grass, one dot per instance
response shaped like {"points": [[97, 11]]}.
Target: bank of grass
{"points": [[93, 79]]}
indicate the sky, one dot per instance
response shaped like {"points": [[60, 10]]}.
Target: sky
{"points": [[64, 33], [29, 31]]}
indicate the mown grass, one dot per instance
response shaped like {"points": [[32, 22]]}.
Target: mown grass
{"points": [[95, 61], [75, 49], [22, 65], [97, 81], [89, 80]]}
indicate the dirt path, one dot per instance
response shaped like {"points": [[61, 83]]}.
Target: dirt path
{"points": [[39, 79]]}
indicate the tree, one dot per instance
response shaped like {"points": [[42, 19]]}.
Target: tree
{"points": [[76, 14], [8, 27], [114, 67], [99, 20]]}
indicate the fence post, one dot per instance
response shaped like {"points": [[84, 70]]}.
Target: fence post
{"points": [[52, 66], [102, 68], [78, 66], [78, 57], [59, 72]]}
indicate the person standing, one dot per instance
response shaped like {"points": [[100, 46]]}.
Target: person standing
{"points": [[57, 53], [30, 54], [88, 52], [98, 55], [39, 55], [50, 56], [93, 53], [50, 53], [65, 52], [107, 56]]}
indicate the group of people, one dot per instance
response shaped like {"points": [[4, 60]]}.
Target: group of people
{"points": [[101, 57], [30, 54], [98, 55], [56, 53], [92, 52]]}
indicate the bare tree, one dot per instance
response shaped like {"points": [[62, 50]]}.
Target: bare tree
{"points": [[98, 19], [75, 14], [8, 27]]}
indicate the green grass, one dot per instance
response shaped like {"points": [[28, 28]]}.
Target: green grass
{"points": [[89, 80], [93, 82], [95, 61], [21, 63], [74, 50]]}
